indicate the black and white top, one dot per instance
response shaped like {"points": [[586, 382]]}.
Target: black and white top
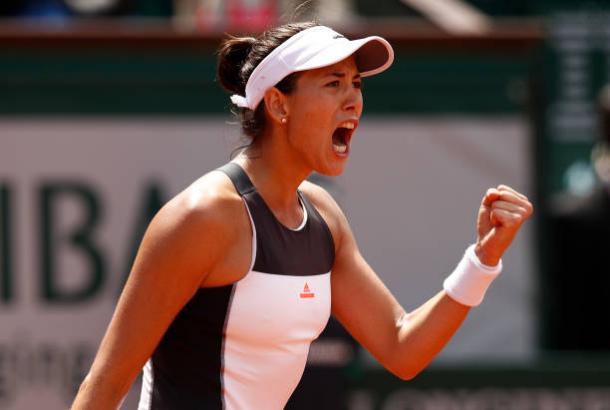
{"points": [[244, 345]]}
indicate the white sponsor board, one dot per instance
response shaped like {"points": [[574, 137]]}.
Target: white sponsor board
{"points": [[76, 194]]}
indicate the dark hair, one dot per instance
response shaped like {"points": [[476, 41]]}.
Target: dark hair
{"points": [[239, 56]]}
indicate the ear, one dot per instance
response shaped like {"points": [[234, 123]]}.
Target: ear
{"points": [[276, 104]]}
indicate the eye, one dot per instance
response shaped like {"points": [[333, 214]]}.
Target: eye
{"points": [[358, 84], [335, 83]]}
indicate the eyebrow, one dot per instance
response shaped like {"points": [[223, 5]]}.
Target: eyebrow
{"points": [[340, 74]]}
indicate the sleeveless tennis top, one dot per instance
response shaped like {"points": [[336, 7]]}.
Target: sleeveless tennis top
{"points": [[245, 345]]}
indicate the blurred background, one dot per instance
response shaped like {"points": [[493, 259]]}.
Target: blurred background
{"points": [[108, 108]]}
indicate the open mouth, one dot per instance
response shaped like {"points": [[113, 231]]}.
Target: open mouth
{"points": [[342, 137]]}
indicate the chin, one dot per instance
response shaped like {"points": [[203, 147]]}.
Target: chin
{"points": [[331, 171]]}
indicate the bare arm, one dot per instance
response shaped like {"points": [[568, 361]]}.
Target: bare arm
{"points": [[403, 343], [169, 268], [406, 343]]}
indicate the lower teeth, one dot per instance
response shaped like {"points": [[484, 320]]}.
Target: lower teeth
{"points": [[340, 148]]}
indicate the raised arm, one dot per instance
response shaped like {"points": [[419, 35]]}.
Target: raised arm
{"points": [[405, 343], [181, 249]]}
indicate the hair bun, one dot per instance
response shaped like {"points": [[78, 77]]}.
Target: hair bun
{"points": [[232, 55]]}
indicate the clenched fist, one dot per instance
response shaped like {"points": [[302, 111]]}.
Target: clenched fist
{"points": [[503, 210]]}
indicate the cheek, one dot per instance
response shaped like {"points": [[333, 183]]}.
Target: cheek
{"points": [[314, 119], [322, 109]]}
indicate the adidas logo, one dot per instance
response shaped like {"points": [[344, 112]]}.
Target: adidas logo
{"points": [[306, 294]]}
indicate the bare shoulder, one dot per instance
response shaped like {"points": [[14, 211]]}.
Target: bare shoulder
{"points": [[211, 199], [319, 196], [327, 207], [199, 227], [210, 202]]}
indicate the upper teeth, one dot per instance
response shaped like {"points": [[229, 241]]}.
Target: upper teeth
{"points": [[348, 125]]}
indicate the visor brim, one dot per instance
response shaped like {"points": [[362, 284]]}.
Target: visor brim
{"points": [[373, 55]]}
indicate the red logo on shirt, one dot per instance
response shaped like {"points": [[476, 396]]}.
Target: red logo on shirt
{"points": [[306, 294]]}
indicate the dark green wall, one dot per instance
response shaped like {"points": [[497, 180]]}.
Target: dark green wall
{"points": [[154, 81]]}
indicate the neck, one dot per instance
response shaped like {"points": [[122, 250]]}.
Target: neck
{"points": [[275, 173]]}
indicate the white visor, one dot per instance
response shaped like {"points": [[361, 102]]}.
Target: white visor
{"points": [[314, 47]]}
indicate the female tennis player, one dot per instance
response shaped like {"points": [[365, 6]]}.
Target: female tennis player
{"points": [[238, 273]]}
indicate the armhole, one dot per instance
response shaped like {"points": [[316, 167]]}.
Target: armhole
{"points": [[253, 256]]}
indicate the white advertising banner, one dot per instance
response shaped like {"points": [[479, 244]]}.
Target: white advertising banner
{"points": [[76, 194]]}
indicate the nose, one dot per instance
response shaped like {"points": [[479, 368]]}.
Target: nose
{"points": [[353, 101]]}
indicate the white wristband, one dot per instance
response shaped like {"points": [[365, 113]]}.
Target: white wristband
{"points": [[470, 279]]}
